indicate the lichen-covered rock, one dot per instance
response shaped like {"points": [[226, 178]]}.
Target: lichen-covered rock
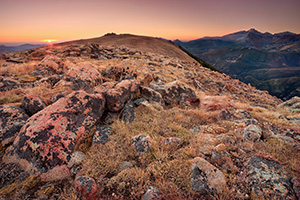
{"points": [[8, 84], [88, 187], [292, 105], [57, 96], [206, 177], [252, 133], [141, 143], [83, 77], [50, 65], [33, 104], [268, 180], [11, 121], [152, 193], [120, 94], [101, 135], [128, 114], [174, 92], [49, 137], [151, 95], [171, 142], [213, 103]]}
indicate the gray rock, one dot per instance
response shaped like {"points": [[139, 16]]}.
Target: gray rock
{"points": [[101, 135], [152, 193], [252, 133], [128, 114], [141, 143], [33, 104]]}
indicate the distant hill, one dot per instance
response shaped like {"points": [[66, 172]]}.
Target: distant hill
{"points": [[7, 49], [267, 61]]}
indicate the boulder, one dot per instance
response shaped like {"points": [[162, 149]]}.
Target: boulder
{"points": [[57, 96], [128, 113], [33, 104], [84, 77], [268, 180], [49, 137], [213, 103], [8, 84], [11, 121], [141, 143], [88, 187], [101, 135], [175, 92], [252, 133], [292, 105], [151, 95], [50, 65], [206, 177], [120, 94]]}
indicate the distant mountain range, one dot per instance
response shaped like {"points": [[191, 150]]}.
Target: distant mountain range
{"points": [[7, 49], [267, 61]]}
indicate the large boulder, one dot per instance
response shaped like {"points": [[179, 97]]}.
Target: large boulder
{"points": [[11, 121], [33, 104], [120, 94], [84, 77], [49, 137], [175, 92], [50, 65], [268, 180]]}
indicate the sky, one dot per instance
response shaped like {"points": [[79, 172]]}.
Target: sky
{"points": [[62, 20]]}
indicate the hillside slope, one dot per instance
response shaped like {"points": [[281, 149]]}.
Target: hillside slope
{"points": [[89, 121], [253, 57]]}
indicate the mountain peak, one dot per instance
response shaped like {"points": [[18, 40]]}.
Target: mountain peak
{"points": [[253, 30]]}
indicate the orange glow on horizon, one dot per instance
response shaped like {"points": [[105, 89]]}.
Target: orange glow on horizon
{"points": [[49, 40]]}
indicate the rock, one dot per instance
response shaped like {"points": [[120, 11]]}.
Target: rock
{"points": [[57, 173], [83, 77], [103, 87], [171, 142], [252, 133], [101, 135], [118, 73], [56, 97], [141, 143], [8, 84], [49, 137], [109, 117], [147, 80], [151, 95], [152, 193], [126, 165], [213, 103], [221, 156], [11, 121], [50, 65], [51, 79], [292, 105], [228, 140], [120, 94], [206, 143], [206, 177], [33, 104], [175, 92], [76, 158], [128, 114], [227, 115], [296, 186], [268, 180], [88, 187]]}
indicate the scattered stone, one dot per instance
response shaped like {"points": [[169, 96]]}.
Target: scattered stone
{"points": [[174, 92], [120, 94], [292, 105], [49, 138], [171, 142], [88, 187], [101, 135], [206, 177], [213, 103], [268, 180], [33, 104], [83, 77], [11, 121], [59, 172], [141, 143], [7, 84], [128, 114], [152, 193], [126, 165], [229, 140], [252, 133], [151, 95]]}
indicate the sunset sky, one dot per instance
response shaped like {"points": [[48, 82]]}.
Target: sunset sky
{"points": [[40, 20]]}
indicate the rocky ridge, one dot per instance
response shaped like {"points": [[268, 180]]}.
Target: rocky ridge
{"points": [[85, 121]]}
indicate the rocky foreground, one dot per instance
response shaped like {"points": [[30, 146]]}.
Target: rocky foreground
{"points": [[84, 121]]}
